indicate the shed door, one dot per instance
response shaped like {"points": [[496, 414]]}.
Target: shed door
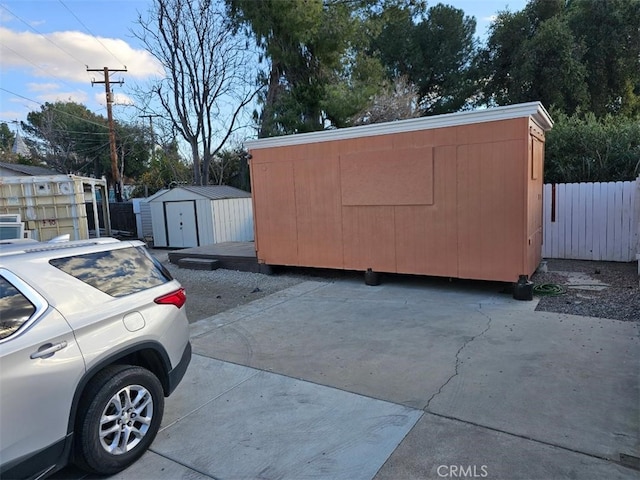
{"points": [[181, 224]]}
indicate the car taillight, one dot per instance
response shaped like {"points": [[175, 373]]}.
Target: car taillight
{"points": [[176, 298]]}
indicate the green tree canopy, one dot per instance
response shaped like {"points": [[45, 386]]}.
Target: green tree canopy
{"points": [[577, 56], [70, 138], [7, 138], [231, 167], [165, 168], [610, 34], [434, 51], [303, 43]]}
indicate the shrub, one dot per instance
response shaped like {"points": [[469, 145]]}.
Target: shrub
{"points": [[583, 148]]}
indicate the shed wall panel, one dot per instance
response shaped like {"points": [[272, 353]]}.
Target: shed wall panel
{"points": [[158, 224], [534, 207], [319, 212], [400, 176], [232, 220], [426, 236], [499, 131], [369, 238], [489, 209], [204, 219], [274, 191]]}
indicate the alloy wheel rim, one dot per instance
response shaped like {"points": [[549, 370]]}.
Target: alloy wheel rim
{"points": [[126, 419]]}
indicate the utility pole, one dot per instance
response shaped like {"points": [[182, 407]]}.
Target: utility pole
{"points": [[117, 180], [153, 135], [153, 145]]}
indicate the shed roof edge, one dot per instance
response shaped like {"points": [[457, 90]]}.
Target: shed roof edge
{"points": [[534, 110]]}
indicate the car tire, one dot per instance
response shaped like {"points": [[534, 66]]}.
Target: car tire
{"points": [[119, 417]]}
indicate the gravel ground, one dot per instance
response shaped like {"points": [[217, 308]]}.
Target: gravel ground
{"points": [[617, 299], [212, 292]]}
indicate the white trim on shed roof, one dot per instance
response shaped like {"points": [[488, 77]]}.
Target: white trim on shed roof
{"points": [[535, 110]]}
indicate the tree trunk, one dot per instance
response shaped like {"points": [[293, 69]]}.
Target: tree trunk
{"points": [[266, 126], [197, 172]]}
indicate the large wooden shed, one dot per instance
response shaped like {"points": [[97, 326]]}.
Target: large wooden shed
{"points": [[192, 216], [456, 195]]}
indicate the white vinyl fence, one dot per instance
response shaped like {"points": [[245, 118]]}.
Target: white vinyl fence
{"points": [[591, 221]]}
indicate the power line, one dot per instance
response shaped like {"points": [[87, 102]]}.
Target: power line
{"points": [[44, 36], [47, 71], [92, 34], [54, 109]]}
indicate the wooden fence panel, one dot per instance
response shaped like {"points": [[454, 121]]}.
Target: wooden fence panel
{"points": [[591, 221]]}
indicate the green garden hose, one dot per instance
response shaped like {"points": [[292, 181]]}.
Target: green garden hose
{"points": [[549, 289]]}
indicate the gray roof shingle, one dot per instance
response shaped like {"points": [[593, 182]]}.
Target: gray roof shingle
{"points": [[31, 170], [218, 192]]}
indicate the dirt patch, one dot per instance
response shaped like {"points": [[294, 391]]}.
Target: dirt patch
{"points": [[593, 289]]}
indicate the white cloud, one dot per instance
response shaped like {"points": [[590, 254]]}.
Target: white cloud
{"points": [[42, 87], [66, 55], [9, 115], [118, 99], [77, 96], [52, 92]]}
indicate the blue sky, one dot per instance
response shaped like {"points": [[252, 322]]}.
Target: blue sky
{"points": [[46, 46]]}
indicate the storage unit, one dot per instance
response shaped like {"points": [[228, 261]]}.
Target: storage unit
{"points": [[193, 216], [456, 195], [54, 205], [142, 212]]}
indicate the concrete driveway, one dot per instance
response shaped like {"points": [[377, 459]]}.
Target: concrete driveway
{"points": [[412, 379]]}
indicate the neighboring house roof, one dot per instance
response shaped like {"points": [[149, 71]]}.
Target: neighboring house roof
{"points": [[28, 170], [217, 192]]}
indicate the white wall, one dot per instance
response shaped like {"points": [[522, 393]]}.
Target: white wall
{"points": [[233, 220]]}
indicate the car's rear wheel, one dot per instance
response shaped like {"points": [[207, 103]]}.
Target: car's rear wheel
{"points": [[120, 416]]}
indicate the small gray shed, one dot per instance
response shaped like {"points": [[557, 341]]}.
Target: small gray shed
{"points": [[191, 216]]}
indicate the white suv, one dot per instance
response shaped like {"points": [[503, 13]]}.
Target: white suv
{"points": [[93, 336]]}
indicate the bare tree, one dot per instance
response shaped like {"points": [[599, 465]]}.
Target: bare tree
{"points": [[207, 84], [398, 101]]}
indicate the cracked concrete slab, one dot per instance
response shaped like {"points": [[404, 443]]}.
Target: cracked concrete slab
{"points": [[395, 342], [263, 425], [472, 354], [570, 381], [440, 448]]}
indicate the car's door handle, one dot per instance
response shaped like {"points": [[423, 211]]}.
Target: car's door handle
{"points": [[48, 349]]}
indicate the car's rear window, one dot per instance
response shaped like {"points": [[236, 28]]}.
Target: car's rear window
{"points": [[116, 272]]}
